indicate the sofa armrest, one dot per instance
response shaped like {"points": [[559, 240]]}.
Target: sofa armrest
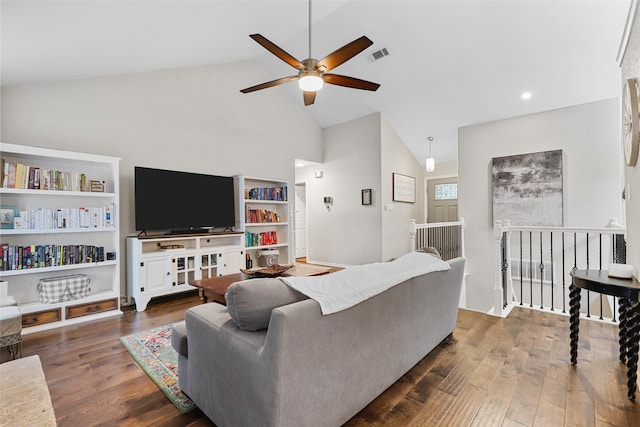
{"points": [[179, 339], [228, 379]]}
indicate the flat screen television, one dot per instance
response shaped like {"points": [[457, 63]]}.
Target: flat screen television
{"points": [[179, 202]]}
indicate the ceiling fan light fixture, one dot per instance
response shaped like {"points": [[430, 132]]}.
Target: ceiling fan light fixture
{"points": [[310, 83]]}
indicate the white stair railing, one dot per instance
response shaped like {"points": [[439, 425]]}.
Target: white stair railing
{"points": [[447, 238], [533, 266]]}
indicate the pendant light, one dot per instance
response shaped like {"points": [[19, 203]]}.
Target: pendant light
{"points": [[430, 163]]}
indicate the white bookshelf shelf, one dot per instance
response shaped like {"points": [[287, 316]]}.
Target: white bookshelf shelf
{"points": [[55, 193], [59, 268], [14, 232], [266, 202], [264, 224], [263, 247]]}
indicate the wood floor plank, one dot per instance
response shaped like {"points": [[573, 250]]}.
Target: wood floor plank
{"points": [[512, 372], [510, 423], [580, 409], [494, 408], [551, 407], [527, 393], [465, 407], [434, 410], [607, 396]]}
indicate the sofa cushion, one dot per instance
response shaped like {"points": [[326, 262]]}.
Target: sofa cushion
{"points": [[250, 302]]}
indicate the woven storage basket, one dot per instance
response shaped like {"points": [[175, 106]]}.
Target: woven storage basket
{"points": [[63, 288]]}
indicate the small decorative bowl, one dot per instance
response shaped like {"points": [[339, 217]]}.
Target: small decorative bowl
{"points": [[621, 271], [271, 271]]}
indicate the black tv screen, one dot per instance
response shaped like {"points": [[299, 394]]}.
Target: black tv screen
{"points": [[182, 201]]}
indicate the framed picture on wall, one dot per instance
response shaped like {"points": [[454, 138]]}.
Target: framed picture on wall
{"points": [[404, 188], [367, 198]]}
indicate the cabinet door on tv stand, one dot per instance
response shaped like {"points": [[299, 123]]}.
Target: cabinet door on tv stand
{"points": [[156, 275], [232, 261]]}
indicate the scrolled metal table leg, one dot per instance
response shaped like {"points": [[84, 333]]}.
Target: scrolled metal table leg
{"points": [[574, 318], [622, 328], [633, 334]]}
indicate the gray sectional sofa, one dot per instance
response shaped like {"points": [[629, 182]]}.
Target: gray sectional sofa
{"points": [[307, 369]]}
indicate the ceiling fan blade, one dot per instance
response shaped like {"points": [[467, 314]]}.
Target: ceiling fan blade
{"points": [[352, 82], [343, 54], [309, 97], [269, 84], [271, 47]]}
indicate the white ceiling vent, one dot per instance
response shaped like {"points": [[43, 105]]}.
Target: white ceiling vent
{"points": [[378, 54]]}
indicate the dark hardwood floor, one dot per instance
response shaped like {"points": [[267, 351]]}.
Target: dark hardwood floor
{"points": [[490, 372]]}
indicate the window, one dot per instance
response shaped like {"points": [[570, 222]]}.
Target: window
{"points": [[446, 191]]}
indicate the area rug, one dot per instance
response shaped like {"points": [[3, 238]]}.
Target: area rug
{"points": [[153, 352]]}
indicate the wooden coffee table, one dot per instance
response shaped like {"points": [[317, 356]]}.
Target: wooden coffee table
{"points": [[213, 288]]}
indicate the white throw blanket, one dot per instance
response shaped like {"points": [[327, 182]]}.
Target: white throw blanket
{"points": [[346, 288]]}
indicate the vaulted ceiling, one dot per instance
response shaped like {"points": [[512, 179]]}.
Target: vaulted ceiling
{"points": [[450, 64]]}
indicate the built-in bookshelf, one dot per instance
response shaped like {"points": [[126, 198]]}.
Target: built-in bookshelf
{"points": [[59, 216], [263, 215]]}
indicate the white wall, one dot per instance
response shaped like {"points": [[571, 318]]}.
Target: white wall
{"points": [[631, 68], [346, 233], [359, 154], [397, 158], [588, 134], [443, 170], [192, 119]]}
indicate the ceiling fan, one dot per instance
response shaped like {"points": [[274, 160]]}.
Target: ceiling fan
{"points": [[312, 74]]}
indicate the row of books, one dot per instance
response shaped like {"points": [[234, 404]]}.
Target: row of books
{"points": [[261, 239], [38, 256], [267, 193], [67, 218], [18, 175], [260, 215]]}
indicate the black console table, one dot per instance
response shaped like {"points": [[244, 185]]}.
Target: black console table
{"points": [[628, 292]]}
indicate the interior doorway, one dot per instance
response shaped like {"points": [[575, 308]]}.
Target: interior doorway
{"points": [[301, 220], [442, 199]]}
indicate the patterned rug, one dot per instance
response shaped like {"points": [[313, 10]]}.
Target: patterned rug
{"points": [[153, 352]]}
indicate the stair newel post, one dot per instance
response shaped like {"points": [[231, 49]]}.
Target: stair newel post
{"points": [[462, 252], [497, 286], [507, 263], [412, 234]]}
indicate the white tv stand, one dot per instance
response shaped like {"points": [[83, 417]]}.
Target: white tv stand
{"points": [[165, 264]]}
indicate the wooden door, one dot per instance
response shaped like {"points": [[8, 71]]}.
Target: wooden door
{"points": [[442, 200]]}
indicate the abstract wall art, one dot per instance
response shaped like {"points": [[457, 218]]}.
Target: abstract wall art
{"points": [[527, 189]]}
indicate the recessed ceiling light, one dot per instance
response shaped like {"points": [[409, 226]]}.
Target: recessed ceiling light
{"points": [[526, 95], [299, 164]]}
